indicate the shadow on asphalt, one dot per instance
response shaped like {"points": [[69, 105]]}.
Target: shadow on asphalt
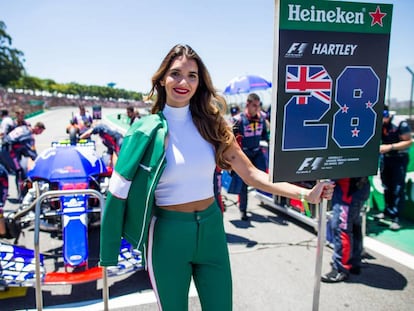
{"points": [[253, 217], [378, 276], [373, 275], [237, 239], [241, 224], [277, 219]]}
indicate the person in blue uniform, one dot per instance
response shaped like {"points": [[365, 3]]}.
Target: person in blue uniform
{"points": [[17, 144], [250, 128], [4, 191], [350, 195], [394, 150], [110, 138]]}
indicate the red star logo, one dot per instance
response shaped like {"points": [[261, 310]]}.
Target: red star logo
{"points": [[377, 16], [355, 132], [344, 109], [368, 104]]}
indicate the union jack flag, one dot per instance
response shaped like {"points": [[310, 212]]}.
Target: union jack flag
{"points": [[313, 80]]}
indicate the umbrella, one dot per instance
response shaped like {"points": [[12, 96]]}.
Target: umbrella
{"points": [[246, 84], [67, 162]]}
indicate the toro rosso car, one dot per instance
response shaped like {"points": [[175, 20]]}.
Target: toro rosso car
{"points": [[65, 194]]}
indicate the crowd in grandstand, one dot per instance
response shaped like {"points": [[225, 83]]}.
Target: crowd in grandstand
{"points": [[32, 103]]}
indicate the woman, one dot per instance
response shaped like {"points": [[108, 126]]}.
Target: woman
{"points": [[186, 237]]}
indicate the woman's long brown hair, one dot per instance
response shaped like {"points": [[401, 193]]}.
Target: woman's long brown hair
{"points": [[206, 105]]}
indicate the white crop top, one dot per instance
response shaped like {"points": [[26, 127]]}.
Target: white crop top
{"points": [[188, 175]]}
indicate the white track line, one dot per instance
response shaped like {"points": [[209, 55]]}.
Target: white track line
{"points": [[390, 252]]}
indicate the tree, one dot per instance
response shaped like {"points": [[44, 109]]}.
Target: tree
{"points": [[11, 59]]}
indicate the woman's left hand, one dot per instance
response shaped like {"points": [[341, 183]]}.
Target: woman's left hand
{"points": [[322, 190]]}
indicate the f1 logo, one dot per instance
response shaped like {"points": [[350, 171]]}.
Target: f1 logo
{"points": [[296, 49], [310, 164]]}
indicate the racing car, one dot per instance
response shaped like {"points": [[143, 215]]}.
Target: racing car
{"points": [[65, 195]]}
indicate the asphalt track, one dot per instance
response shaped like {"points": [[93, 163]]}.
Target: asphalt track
{"points": [[272, 258]]}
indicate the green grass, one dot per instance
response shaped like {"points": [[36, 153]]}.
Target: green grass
{"points": [[402, 239]]}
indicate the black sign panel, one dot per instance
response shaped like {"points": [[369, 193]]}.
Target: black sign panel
{"points": [[330, 91]]}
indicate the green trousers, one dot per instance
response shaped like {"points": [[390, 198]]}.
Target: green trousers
{"points": [[189, 245]]}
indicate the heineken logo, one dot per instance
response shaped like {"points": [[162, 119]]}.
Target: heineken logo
{"points": [[337, 15]]}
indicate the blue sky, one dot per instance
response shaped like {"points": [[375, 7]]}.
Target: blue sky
{"points": [[95, 42]]}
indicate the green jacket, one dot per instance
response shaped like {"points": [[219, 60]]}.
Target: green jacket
{"points": [[130, 198]]}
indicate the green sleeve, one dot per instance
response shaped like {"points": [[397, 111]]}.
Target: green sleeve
{"points": [[133, 149], [111, 230]]}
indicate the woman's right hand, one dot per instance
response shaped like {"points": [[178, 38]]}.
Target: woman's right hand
{"points": [[322, 190]]}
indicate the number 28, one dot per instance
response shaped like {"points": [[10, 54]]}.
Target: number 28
{"points": [[356, 93]]}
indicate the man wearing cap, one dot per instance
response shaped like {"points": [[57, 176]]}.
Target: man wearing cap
{"points": [[234, 114], [396, 141]]}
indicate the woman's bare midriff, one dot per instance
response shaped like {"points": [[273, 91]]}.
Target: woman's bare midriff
{"points": [[195, 206]]}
